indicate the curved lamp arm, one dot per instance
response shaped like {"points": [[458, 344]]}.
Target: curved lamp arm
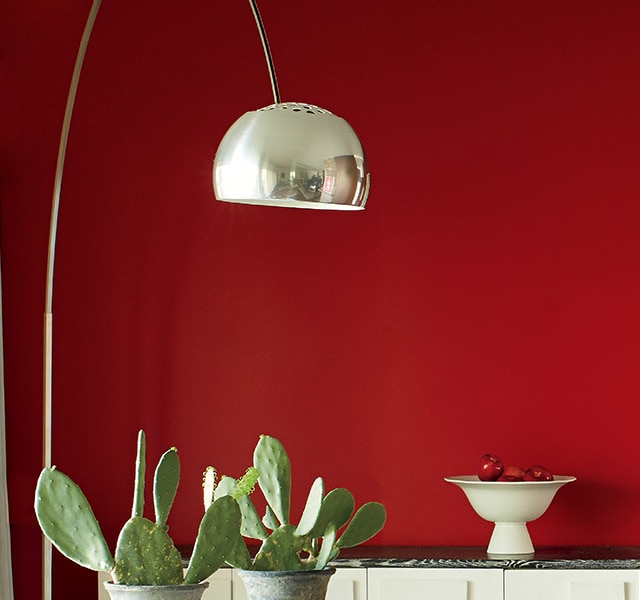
{"points": [[267, 51], [48, 315]]}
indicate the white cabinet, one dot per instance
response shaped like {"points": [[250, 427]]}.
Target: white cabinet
{"points": [[415, 583], [345, 584], [434, 584], [572, 584]]}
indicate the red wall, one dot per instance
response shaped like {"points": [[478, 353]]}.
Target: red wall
{"points": [[488, 299]]}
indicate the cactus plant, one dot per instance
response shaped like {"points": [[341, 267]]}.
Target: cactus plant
{"points": [[145, 554], [316, 539]]}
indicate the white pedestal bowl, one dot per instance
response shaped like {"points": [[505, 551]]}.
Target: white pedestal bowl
{"points": [[510, 505]]}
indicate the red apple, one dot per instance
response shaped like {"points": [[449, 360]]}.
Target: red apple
{"points": [[512, 473], [538, 473], [490, 467]]}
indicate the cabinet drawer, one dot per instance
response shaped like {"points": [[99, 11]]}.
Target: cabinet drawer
{"points": [[434, 584], [572, 584]]}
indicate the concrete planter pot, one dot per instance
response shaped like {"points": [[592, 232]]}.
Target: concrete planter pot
{"points": [[286, 585], [156, 592]]}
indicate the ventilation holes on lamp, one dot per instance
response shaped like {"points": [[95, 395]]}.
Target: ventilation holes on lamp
{"points": [[296, 107]]}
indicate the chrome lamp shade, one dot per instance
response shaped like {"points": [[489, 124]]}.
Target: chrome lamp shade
{"points": [[294, 155]]}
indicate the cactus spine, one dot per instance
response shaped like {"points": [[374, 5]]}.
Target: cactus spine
{"points": [[315, 540], [145, 553]]}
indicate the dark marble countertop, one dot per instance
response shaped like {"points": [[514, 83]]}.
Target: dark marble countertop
{"points": [[476, 557], [549, 557]]}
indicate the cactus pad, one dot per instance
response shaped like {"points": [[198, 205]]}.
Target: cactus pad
{"points": [[327, 551], [337, 508], [312, 508], [219, 530], [274, 475], [66, 518], [141, 467], [165, 485], [279, 552], [145, 555], [368, 520]]}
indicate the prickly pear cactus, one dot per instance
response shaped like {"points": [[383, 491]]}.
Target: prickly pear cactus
{"points": [[315, 540], [145, 554], [66, 518], [238, 555]]}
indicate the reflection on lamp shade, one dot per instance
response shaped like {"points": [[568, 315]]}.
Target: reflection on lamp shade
{"points": [[294, 155]]}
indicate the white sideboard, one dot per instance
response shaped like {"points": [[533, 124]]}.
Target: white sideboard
{"points": [[448, 573]]}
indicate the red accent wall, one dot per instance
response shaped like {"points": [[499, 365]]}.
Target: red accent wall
{"points": [[488, 299]]}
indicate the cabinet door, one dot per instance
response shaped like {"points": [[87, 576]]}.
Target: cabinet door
{"points": [[572, 584], [434, 584], [346, 584], [220, 585]]}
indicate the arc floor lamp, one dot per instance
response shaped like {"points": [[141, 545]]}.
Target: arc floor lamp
{"points": [[286, 154]]}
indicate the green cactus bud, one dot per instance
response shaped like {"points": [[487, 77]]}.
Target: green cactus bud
{"points": [[217, 535], [368, 520], [141, 465], [165, 485], [337, 508], [272, 462], [145, 555], [312, 508], [246, 484], [66, 518]]}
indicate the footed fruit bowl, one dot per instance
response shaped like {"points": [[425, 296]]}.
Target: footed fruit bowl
{"points": [[510, 505]]}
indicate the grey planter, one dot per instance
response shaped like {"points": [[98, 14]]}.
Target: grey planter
{"points": [[286, 585], [156, 592]]}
